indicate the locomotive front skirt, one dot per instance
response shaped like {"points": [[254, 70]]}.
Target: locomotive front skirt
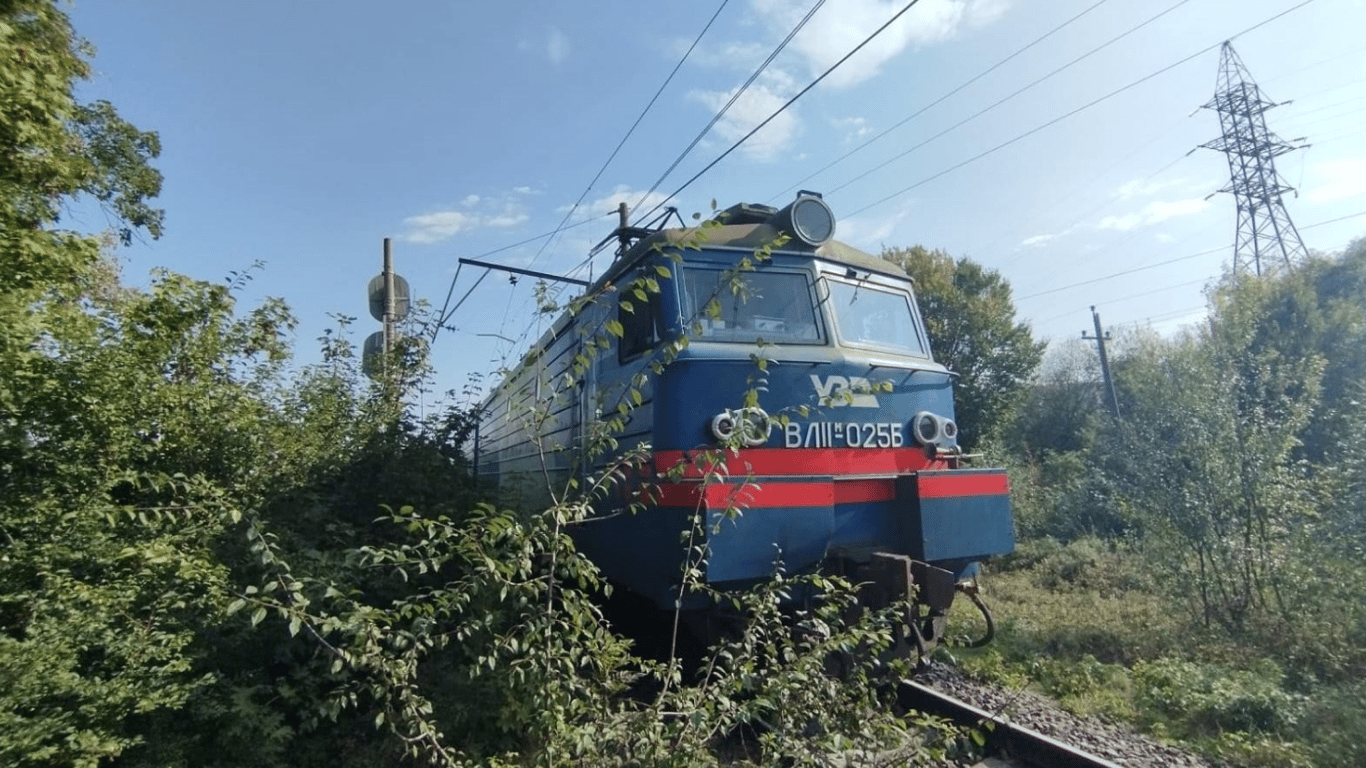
{"points": [[776, 393]]}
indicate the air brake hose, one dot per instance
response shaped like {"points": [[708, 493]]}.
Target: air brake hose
{"points": [[986, 614]]}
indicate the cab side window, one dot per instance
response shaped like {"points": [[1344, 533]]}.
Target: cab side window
{"points": [[639, 321]]}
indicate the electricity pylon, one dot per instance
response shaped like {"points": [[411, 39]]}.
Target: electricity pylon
{"points": [[1264, 228]]}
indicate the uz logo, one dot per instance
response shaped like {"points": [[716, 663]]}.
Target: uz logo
{"points": [[833, 391]]}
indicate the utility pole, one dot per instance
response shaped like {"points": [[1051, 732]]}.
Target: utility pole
{"points": [[1100, 338], [1264, 227], [390, 300]]}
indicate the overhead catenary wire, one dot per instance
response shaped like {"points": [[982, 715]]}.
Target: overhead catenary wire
{"points": [[1176, 313], [1102, 278], [631, 130], [784, 107], [444, 315], [731, 102], [1076, 111]]}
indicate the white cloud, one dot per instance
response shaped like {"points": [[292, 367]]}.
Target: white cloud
{"points": [[1144, 188], [871, 232], [854, 128], [557, 47], [436, 226], [980, 13], [608, 203], [1038, 241], [1154, 212], [506, 220], [753, 107], [841, 25], [1336, 179], [732, 54], [480, 212]]}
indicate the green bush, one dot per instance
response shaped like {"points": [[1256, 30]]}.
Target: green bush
{"points": [[1334, 724], [1202, 699]]}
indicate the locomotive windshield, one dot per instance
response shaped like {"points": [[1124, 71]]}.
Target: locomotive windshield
{"points": [[872, 317], [773, 306]]}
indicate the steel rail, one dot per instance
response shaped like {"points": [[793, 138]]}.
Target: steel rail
{"points": [[1015, 740]]}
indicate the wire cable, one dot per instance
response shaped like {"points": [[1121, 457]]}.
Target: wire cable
{"points": [[1112, 302], [937, 101], [1173, 261], [734, 97], [1076, 111], [1001, 101], [569, 214], [1125, 272], [444, 315], [631, 130], [784, 107]]}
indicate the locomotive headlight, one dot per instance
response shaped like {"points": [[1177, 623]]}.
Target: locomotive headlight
{"points": [[807, 218], [925, 426], [723, 426], [752, 426], [933, 429]]}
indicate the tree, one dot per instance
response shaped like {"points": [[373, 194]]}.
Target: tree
{"points": [[971, 321], [93, 607], [1204, 458]]}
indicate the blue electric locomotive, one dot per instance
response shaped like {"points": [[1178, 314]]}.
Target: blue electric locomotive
{"points": [[806, 361]]}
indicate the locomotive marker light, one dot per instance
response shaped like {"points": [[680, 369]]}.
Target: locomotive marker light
{"points": [[807, 218]]}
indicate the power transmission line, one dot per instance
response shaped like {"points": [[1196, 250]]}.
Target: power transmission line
{"points": [[1251, 149], [1125, 272], [1171, 261], [939, 100], [1005, 99], [1076, 111]]}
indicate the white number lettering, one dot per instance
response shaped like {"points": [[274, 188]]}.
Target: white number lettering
{"points": [[828, 434], [884, 436]]}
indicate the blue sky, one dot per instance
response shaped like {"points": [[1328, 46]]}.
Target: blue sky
{"points": [[303, 133]]}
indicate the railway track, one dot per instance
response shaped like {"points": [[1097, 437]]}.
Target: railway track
{"points": [[1013, 745]]}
